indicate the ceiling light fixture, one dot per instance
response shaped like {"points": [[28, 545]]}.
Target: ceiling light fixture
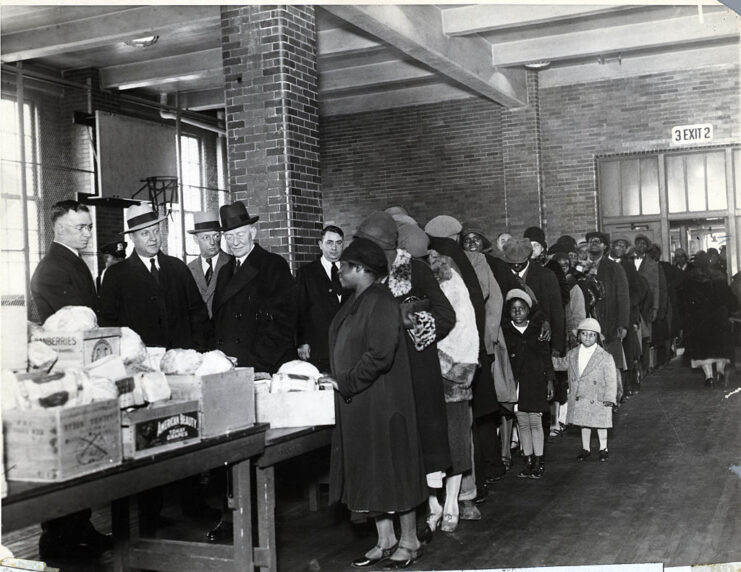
{"points": [[143, 42], [537, 65]]}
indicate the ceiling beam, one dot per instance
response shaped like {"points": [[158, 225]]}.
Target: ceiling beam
{"points": [[369, 76], [417, 31], [337, 41], [417, 95], [101, 30], [192, 65], [476, 18], [619, 39], [200, 100]]}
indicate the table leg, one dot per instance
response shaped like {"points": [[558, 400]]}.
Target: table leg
{"points": [[266, 515], [241, 482], [120, 525]]}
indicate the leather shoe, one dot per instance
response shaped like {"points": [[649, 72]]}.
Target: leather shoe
{"points": [[222, 531], [411, 557], [365, 561], [469, 510], [481, 495], [583, 455], [603, 455]]}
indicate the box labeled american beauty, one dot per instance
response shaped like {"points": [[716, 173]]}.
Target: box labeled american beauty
{"points": [[160, 427], [226, 400], [78, 349], [61, 443]]}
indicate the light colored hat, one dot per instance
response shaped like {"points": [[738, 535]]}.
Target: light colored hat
{"points": [[590, 325], [517, 250], [414, 240], [396, 210], [443, 226], [207, 221], [141, 216], [521, 294], [400, 219]]}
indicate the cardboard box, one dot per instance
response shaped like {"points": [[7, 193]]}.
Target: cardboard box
{"points": [[58, 444], [296, 408], [159, 427], [78, 349], [226, 400]]}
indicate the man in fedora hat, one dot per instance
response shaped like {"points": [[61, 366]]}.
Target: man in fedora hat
{"points": [[63, 279], [152, 293], [113, 253], [205, 268], [254, 309]]}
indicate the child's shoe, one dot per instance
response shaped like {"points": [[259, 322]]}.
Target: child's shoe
{"points": [[527, 472], [538, 468], [585, 454], [603, 455]]}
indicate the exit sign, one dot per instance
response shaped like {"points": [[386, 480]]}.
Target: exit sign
{"points": [[692, 134]]}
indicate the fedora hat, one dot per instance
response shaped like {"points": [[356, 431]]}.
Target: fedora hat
{"points": [[207, 221], [141, 216], [235, 215], [117, 249], [517, 250]]}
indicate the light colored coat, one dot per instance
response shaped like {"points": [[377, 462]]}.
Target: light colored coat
{"points": [[207, 290], [589, 391]]}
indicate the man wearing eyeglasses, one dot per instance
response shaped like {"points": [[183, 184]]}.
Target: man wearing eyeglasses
{"points": [[62, 278], [206, 267]]}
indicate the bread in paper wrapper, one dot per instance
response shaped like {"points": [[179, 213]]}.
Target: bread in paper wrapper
{"points": [[71, 319], [181, 362]]}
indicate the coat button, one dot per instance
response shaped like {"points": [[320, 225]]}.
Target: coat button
{"points": [[220, 342], [238, 315], [348, 400]]}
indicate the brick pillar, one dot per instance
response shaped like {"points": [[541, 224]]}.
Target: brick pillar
{"points": [[272, 118], [521, 159]]}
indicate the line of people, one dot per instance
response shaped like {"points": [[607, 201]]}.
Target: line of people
{"points": [[436, 340]]}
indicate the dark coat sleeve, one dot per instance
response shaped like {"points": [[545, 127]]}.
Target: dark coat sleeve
{"points": [[622, 292], [382, 335], [303, 313], [200, 324]]}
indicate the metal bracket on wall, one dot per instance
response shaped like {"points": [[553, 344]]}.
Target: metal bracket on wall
{"points": [[162, 192]]}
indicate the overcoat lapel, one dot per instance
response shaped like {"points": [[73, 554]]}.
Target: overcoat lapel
{"points": [[594, 361], [198, 276], [143, 274], [234, 283], [222, 261]]}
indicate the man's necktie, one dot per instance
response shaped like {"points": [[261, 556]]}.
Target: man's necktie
{"points": [[154, 271], [209, 271], [336, 286], [237, 264]]}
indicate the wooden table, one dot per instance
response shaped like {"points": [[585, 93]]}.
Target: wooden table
{"points": [[30, 503], [280, 445]]}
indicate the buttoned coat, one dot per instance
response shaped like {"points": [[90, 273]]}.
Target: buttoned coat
{"points": [[649, 269], [376, 453], [254, 311], [589, 391], [169, 313], [62, 279], [317, 305], [207, 290], [531, 365]]}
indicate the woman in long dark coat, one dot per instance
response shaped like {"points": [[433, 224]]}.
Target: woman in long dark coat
{"points": [[376, 467], [707, 301]]}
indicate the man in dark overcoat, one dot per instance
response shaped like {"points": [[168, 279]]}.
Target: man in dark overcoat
{"points": [[613, 311], [254, 304], [152, 293], [254, 309], [320, 296], [211, 259], [63, 279]]}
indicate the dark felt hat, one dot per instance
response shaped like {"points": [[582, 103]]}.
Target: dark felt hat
{"points": [[117, 249], [603, 236], [207, 221], [381, 228], [517, 250], [366, 252], [235, 215], [472, 228], [536, 234], [622, 238], [564, 243]]}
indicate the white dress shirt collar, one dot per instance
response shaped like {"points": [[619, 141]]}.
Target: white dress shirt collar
{"points": [[72, 250], [214, 260]]}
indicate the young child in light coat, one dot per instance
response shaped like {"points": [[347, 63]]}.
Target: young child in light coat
{"points": [[592, 387]]}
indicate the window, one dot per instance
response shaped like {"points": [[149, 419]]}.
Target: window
{"points": [[629, 187], [191, 164], [696, 182], [14, 260]]}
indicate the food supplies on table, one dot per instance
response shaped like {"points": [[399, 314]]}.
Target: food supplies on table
{"points": [[71, 319], [159, 427], [187, 362]]}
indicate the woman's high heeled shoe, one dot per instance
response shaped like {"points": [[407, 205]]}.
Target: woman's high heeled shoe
{"points": [[433, 521], [364, 561], [411, 557], [450, 522]]}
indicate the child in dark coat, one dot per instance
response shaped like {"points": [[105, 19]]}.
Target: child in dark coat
{"points": [[530, 357]]}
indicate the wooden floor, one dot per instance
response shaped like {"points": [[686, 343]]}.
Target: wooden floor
{"points": [[670, 493]]}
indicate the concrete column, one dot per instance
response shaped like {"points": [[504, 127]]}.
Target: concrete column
{"points": [[272, 123]]}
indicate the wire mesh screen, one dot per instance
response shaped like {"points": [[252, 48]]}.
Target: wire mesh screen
{"points": [[57, 162]]}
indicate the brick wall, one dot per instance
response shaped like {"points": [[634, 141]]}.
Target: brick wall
{"points": [[436, 159], [269, 55], [462, 158]]}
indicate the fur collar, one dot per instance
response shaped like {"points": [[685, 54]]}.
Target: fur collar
{"points": [[400, 276]]}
